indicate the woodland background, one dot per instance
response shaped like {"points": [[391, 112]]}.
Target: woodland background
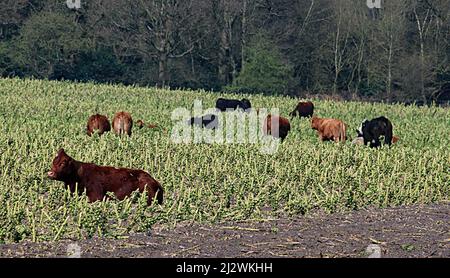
{"points": [[339, 49]]}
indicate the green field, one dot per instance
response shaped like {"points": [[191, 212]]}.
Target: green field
{"points": [[202, 182]]}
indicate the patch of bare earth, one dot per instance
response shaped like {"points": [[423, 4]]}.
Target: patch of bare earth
{"points": [[408, 231]]}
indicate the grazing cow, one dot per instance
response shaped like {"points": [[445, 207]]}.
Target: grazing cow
{"points": [[232, 104], [210, 121], [97, 180], [280, 123], [97, 122], [122, 123], [329, 129], [373, 129], [303, 109], [141, 124]]}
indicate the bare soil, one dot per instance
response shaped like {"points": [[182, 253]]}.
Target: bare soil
{"points": [[407, 231]]}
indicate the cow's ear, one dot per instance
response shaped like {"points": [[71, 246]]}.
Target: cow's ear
{"points": [[61, 152]]}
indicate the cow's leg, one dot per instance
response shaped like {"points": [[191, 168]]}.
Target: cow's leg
{"points": [[375, 143], [150, 195], [336, 138], [388, 138], [365, 141], [95, 195], [71, 187]]}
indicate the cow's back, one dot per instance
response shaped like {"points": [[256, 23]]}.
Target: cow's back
{"points": [[98, 122], [122, 123], [303, 109], [132, 180], [121, 181], [331, 129], [306, 109], [223, 104]]}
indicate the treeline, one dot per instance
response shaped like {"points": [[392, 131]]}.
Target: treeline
{"points": [[397, 53]]}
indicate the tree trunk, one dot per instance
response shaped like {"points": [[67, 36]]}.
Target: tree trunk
{"points": [[162, 73], [243, 32], [223, 58], [389, 77], [422, 70], [230, 58], [336, 57], [420, 28]]}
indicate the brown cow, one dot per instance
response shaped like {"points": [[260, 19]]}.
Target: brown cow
{"points": [[97, 180], [122, 123], [329, 129], [281, 123], [303, 109], [97, 122], [141, 124]]}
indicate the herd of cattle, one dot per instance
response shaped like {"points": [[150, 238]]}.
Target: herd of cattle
{"points": [[98, 180]]}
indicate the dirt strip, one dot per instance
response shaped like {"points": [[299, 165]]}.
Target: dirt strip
{"points": [[408, 231]]}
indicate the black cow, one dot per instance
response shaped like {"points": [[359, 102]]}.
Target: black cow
{"points": [[208, 121], [223, 104], [303, 109], [371, 131]]}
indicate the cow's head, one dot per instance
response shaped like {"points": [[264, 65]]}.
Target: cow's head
{"points": [[140, 124], [361, 128], [245, 104], [62, 167], [315, 122]]}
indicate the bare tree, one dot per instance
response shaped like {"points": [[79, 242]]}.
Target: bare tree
{"points": [[389, 40], [161, 30], [432, 19], [341, 38], [423, 23], [226, 14], [359, 42]]}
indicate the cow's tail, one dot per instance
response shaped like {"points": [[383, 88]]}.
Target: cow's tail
{"points": [[159, 195], [96, 124], [121, 126], [343, 132]]}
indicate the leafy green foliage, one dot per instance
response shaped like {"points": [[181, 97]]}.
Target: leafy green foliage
{"points": [[94, 65], [48, 41], [263, 71]]}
